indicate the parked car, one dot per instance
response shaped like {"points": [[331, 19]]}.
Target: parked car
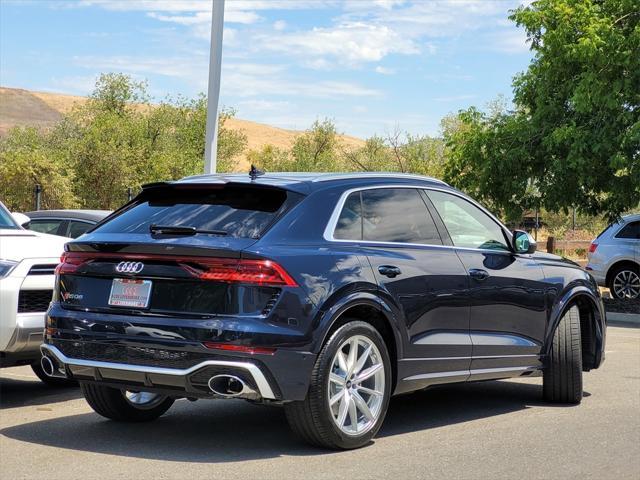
{"points": [[27, 263], [66, 223], [614, 258], [323, 293]]}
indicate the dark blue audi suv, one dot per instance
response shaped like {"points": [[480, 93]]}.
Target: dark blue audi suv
{"points": [[323, 293]]}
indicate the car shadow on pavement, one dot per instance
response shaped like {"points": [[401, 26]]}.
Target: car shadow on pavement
{"points": [[443, 405], [15, 393], [233, 430]]}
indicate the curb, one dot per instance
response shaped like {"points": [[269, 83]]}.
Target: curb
{"points": [[623, 319]]}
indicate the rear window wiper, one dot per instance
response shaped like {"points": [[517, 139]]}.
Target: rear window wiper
{"points": [[183, 230]]}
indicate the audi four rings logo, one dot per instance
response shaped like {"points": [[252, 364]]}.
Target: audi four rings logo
{"points": [[129, 267]]}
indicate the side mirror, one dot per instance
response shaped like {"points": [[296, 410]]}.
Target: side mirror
{"points": [[21, 218], [523, 242]]}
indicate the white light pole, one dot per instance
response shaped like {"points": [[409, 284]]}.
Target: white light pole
{"points": [[213, 93]]}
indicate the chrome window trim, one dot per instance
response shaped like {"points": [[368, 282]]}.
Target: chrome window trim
{"points": [[63, 219], [261, 382], [335, 216]]}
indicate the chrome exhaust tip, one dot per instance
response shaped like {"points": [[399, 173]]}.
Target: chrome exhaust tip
{"points": [[47, 366], [229, 386], [52, 368]]}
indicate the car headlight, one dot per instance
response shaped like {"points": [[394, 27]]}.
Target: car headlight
{"points": [[6, 266]]}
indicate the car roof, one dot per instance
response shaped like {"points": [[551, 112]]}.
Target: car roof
{"points": [[308, 181], [631, 218], [92, 215]]}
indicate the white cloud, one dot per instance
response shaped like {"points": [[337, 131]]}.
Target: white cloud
{"points": [[196, 14], [508, 41], [243, 80], [430, 19], [279, 25], [178, 67], [348, 43], [238, 82], [199, 18], [384, 70], [79, 84]]}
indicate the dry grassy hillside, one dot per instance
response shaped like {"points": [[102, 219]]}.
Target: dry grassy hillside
{"points": [[25, 107]]}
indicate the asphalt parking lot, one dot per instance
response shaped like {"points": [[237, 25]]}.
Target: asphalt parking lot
{"points": [[483, 430]]}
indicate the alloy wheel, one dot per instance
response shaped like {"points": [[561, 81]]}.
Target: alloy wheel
{"points": [[143, 400], [356, 385], [626, 284]]}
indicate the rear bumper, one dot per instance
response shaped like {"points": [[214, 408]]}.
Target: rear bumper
{"points": [[168, 354], [598, 272], [181, 380], [24, 345]]}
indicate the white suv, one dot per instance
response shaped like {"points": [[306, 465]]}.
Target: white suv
{"points": [[614, 258], [27, 263]]}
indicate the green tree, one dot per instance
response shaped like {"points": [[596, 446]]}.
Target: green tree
{"points": [[573, 138], [114, 141], [270, 159], [374, 156], [28, 159], [582, 96], [316, 149], [489, 158], [398, 152]]}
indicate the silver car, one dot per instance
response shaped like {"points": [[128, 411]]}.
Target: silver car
{"points": [[614, 258]]}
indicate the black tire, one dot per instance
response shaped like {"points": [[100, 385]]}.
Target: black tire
{"points": [[112, 403], [311, 419], [52, 381], [615, 272], [562, 381]]}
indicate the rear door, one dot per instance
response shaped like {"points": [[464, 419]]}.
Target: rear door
{"points": [[424, 280], [507, 290]]}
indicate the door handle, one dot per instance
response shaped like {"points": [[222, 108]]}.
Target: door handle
{"points": [[390, 271], [478, 274]]}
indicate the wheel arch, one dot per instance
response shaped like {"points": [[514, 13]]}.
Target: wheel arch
{"points": [[369, 308], [615, 266], [592, 324]]}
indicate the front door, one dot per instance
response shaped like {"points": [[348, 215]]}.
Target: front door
{"points": [[507, 290]]}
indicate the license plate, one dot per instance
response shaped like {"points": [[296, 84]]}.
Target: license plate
{"points": [[127, 292]]}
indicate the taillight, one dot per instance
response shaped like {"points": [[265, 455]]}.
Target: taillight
{"points": [[257, 272], [592, 247], [70, 261], [240, 348]]}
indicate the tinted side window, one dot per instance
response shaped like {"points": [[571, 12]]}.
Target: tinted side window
{"points": [[78, 228], [45, 226], [397, 215], [468, 226], [631, 230], [349, 226]]}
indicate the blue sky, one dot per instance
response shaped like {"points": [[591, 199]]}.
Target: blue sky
{"points": [[371, 66]]}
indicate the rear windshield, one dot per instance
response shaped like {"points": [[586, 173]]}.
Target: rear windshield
{"points": [[244, 212]]}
